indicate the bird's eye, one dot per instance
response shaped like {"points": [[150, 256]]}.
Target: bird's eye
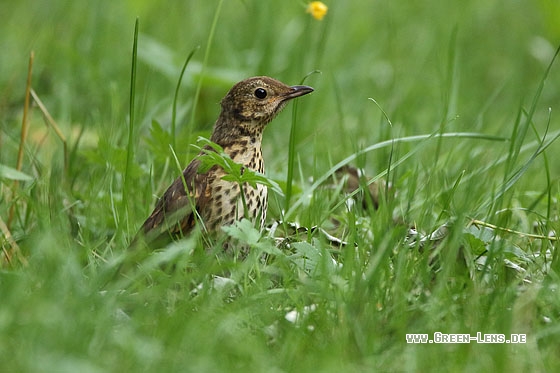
{"points": [[260, 93]]}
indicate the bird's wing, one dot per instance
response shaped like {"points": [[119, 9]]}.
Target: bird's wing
{"points": [[175, 212]]}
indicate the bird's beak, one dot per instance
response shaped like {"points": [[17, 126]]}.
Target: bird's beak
{"points": [[298, 90]]}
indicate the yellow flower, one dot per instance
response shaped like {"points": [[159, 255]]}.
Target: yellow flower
{"points": [[317, 9]]}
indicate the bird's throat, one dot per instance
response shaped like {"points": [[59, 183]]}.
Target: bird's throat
{"points": [[247, 151]]}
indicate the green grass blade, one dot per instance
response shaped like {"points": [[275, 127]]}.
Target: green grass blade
{"points": [[209, 43], [510, 178], [418, 138], [292, 147], [130, 142], [176, 96]]}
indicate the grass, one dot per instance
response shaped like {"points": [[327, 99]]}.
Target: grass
{"points": [[455, 107]]}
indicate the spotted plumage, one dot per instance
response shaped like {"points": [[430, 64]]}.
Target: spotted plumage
{"points": [[204, 197]]}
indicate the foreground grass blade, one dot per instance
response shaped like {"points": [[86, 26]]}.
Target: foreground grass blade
{"points": [[130, 144], [291, 148], [24, 129], [176, 96], [383, 144], [205, 61]]}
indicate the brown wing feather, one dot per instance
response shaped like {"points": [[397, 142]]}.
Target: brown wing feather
{"points": [[174, 213]]}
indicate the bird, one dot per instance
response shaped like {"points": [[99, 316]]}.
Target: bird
{"points": [[203, 196], [354, 176]]}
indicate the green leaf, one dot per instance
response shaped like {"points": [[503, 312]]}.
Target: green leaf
{"points": [[313, 259], [244, 231], [476, 245], [158, 141], [159, 136], [236, 173], [13, 174], [204, 141]]}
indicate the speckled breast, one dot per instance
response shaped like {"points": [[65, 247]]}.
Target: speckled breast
{"points": [[227, 205]]}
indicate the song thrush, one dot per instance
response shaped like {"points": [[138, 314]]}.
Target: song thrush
{"points": [[205, 196]]}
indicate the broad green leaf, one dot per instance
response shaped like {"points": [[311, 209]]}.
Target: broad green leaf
{"points": [[13, 174]]}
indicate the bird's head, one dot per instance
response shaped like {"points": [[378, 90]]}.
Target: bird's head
{"points": [[259, 99]]}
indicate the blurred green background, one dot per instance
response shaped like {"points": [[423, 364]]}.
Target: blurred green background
{"points": [[425, 63]]}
